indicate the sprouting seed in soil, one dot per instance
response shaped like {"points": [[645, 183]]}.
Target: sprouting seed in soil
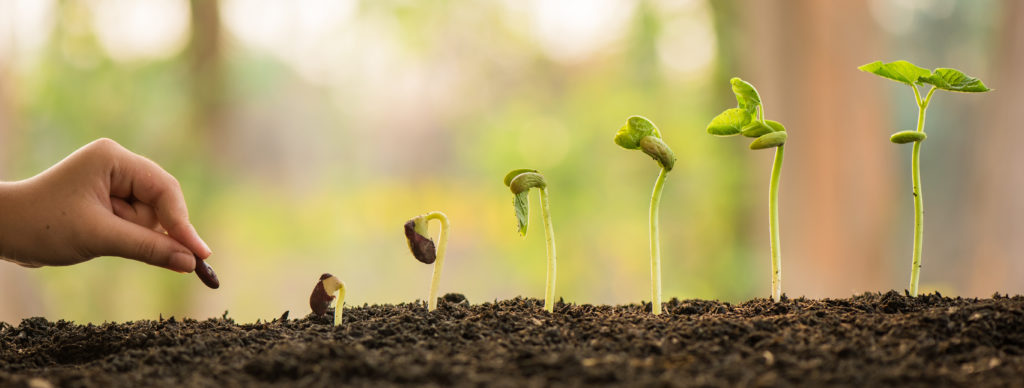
{"points": [[639, 133], [748, 119], [520, 182], [329, 288], [911, 75], [422, 247], [205, 273]]}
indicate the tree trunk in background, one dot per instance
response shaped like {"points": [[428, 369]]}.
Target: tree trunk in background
{"points": [[997, 218], [205, 55], [837, 181]]}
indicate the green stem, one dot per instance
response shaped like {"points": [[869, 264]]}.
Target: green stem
{"points": [[656, 244], [442, 247], [915, 166], [549, 287], [773, 219]]}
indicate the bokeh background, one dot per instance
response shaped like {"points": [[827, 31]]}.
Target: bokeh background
{"points": [[305, 133]]}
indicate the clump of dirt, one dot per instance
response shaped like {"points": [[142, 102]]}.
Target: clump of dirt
{"points": [[867, 340]]}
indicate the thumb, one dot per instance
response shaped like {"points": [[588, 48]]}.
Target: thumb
{"points": [[119, 237]]}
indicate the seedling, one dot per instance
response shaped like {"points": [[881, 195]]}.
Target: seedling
{"points": [[205, 273], [422, 247], [520, 182], [640, 133], [748, 119], [329, 288], [942, 78]]}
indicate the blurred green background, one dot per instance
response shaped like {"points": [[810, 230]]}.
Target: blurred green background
{"points": [[305, 133]]}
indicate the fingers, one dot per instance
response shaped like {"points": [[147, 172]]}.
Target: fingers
{"points": [[137, 212], [118, 237], [134, 176]]}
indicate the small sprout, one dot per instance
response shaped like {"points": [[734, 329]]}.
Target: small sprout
{"points": [[422, 247], [205, 273], [520, 182], [914, 76], [748, 119], [640, 133], [904, 137], [329, 288]]}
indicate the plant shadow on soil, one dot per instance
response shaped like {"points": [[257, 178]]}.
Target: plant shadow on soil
{"points": [[868, 340]]}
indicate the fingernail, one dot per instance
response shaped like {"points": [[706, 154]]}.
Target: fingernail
{"points": [[206, 248], [181, 262]]}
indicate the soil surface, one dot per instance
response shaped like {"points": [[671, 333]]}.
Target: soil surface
{"points": [[868, 340]]}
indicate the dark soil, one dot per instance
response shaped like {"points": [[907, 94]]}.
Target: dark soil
{"points": [[868, 340]]}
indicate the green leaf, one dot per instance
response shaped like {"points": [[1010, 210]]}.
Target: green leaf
{"points": [[730, 122], [904, 137], [521, 202], [955, 80], [746, 95], [755, 129], [900, 71], [776, 126], [636, 128], [770, 140]]}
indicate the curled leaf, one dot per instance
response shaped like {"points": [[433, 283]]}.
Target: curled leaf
{"points": [[755, 129], [520, 185], [955, 81], [526, 181], [658, 150], [770, 140], [904, 137], [635, 129], [900, 71], [746, 95], [730, 122], [515, 173], [420, 243]]}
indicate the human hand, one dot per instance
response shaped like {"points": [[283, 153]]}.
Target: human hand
{"points": [[102, 200]]}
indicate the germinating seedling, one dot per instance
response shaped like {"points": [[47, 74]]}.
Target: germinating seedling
{"points": [[329, 288], [640, 133], [422, 247], [946, 79], [748, 119], [520, 182]]}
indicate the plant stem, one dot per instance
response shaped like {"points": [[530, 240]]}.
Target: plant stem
{"points": [[656, 244], [549, 230], [773, 219], [915, 166], [442, 247]]}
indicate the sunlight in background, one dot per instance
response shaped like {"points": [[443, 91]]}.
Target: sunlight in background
{"points": [[571, 31], [131, 30], [687, 45], [900, 16], [28, 27]]}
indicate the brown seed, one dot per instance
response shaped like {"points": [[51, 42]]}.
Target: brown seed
{"points": [[422, 247], [320, 300], [206, 274]]}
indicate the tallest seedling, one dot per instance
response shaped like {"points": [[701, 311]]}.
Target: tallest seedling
{"points": [[641, 134], [749, 120], [946, 79]]}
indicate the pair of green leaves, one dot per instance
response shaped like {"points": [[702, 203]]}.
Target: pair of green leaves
{"points": [[639, 133], [742, 120], [942, 78], [520, 181]]}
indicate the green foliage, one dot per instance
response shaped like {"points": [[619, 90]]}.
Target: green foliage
{"points": [[730, 122], [635, 129], [756, 129], [899, 71], [942, 78], [520, 181], [904, 137], [746, 95]]}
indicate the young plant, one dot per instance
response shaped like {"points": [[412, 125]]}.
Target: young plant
{"points": [[422, 247], [640, 133], [329, 288], [748, 119], [946, 79], [520, 182]]}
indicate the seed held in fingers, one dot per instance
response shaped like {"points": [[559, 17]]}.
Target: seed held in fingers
{"points": [[206, 274]]}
